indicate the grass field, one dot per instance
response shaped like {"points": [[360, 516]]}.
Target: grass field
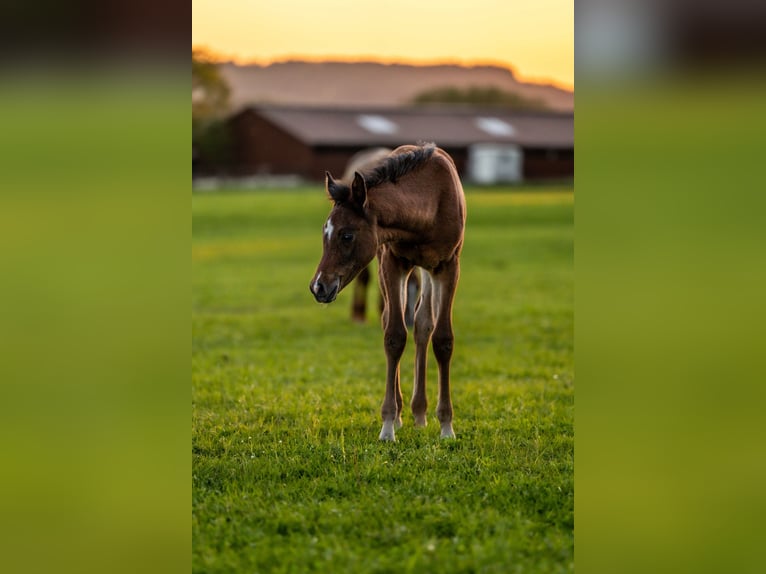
{"points": [[288, 474]]}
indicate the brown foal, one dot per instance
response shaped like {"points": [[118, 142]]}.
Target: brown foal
{"points": [[409, 210]]}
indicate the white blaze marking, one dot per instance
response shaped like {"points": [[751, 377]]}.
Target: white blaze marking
{"points": [[328, 229], [316, 282]]}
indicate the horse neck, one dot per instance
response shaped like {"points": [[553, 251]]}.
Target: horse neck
{"points": [[400, 214]]}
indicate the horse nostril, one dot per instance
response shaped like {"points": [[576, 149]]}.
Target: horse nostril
{"points": [[317, 288]]}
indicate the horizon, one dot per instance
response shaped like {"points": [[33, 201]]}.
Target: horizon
{"points": [[299, 59]]}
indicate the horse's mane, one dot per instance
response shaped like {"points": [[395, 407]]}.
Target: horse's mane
{"points": [[395, 167], [392, 168]]}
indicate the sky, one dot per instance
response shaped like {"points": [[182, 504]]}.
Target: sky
{"points": [[533, 37]]}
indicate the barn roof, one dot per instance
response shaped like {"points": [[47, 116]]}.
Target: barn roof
{"points": [[445, 126]]}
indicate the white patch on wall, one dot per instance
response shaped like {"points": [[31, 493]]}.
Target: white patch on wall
{"points": [[495, 163], [377, 124], [495, 127]]}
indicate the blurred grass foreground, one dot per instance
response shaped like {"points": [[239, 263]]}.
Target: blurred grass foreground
{"points": [[94, 300]]}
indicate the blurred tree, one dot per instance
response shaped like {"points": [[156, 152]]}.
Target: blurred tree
{"points": [[211, 149], [210, 92], [479, 95]]}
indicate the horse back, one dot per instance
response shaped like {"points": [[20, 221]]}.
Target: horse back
{"points": [[433, 195], [439, 183]]}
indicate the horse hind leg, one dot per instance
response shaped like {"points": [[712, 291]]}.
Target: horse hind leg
{"points": [[423, 327], [359, 300], [443, 341], [413, 285]]}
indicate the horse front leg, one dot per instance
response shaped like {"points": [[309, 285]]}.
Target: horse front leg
{"points": [[393, 274], [424, 326], [443, 340]]}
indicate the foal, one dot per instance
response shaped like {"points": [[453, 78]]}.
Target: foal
{"points": [[410, 212]]}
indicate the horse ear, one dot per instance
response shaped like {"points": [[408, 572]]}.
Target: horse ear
{"points": [[335, 191], [359, 190]]}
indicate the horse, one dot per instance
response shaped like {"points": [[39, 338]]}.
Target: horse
{"points": [[360, 161], [410, 212]]}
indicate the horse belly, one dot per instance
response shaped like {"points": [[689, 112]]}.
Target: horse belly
{"points": [[426, 256]]}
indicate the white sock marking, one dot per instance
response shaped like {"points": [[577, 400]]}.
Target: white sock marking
{"points": [[387, 432], [447, 431]]}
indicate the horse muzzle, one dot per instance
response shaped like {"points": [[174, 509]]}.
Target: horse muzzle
{"points": [[325, 292]]}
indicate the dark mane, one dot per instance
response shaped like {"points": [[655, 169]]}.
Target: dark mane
{"points": [[395, 167], [390, 169]]}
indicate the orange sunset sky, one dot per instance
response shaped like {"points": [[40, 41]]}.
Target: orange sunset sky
{"points": [[534, 37]]}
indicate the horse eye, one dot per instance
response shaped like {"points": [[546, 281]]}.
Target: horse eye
{"points": [[347, 237]]}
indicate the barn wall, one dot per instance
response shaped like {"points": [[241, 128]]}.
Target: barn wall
{"points": [[542, 163], [333, 159], [460, 157], [261, 148]]}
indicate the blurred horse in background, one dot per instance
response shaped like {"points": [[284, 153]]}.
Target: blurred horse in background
{"points": [[362, 161]]}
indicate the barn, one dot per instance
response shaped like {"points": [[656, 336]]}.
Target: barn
{"points": [[489, 145]]}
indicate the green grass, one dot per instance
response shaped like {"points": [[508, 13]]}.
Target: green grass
{"points": [[288, 474]]}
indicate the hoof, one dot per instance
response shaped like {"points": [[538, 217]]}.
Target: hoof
{"points": [[447, 431], [420, 420], [398, 423], [387, 432]]}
